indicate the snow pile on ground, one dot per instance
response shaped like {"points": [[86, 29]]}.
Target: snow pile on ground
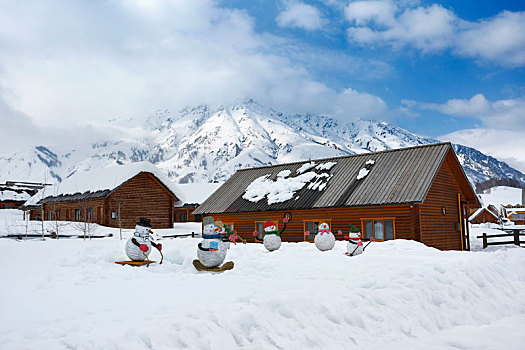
{"points": [[12, 223], [397, 295]]}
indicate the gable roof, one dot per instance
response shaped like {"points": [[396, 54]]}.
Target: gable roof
{"points": [[99, 183], [399, 176], [481, 210]]}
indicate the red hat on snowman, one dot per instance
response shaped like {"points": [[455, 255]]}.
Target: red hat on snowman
{"points": [[267, 224]]}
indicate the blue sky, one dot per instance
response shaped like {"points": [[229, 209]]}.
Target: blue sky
{"points": [[453, 70]]}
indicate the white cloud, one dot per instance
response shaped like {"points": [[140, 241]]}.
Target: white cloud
{"points": [[74, 62], [505, 145], [300, 15], [500, 39]]}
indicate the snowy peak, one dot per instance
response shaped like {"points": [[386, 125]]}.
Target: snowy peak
{"points": [[203, 144]]}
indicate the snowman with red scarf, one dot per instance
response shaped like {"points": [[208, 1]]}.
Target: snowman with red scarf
{"points": [[355, 245], [139, 246], [324, 239]]}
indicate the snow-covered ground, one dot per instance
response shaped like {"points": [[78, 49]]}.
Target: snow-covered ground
{"points": [[69, 294]]}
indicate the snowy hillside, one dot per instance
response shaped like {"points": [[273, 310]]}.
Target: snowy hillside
{"points": [[69, 294], [501, 195], [201, 145]]}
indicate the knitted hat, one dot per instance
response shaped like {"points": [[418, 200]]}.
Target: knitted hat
{"points": [[267, 224], [207, 220]]}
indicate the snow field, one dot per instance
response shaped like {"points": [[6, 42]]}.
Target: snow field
{"points": [[398, 294]]}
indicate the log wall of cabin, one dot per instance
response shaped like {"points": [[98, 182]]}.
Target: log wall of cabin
{"points": [[11, 204], [65, 211], [245, 223], [438, 230], [141, 196], [178, 212]]}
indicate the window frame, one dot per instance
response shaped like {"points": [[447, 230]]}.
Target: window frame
{"points": [[79, 216], [363, 235], [329, 221]]}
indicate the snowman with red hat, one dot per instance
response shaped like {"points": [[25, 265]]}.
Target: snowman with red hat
{"points": [[272, 237], [324, 239], [355, 245], [139, 246]]}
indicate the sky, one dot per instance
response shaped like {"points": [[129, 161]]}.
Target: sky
{"points": [[449, 70]]}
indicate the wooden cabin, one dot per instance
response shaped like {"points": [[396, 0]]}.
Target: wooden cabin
{"points": [[418, 193], [515, 213], [13, 194], [191, 196], [115, 196], [485, 214]]}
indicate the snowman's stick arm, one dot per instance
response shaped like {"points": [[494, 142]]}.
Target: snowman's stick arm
{"points": [[203, 249], [366, 245], [135, 242], [284, 228], [161, 255]]}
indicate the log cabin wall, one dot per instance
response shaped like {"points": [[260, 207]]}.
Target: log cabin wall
{"points": [[339, 218], [65, 211], [438, 230], [141, 196], [185, 215]]}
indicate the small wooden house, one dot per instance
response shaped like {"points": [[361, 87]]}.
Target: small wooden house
{"points": [[13, 194], [418, 193], [485, 214], [113, 196], [192, 195], [515, 213]]}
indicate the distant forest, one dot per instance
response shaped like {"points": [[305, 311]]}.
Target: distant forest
{"points": [[493, 182]]}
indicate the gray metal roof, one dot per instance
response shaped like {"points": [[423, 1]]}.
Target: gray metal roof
{"points": [[397, 176]]}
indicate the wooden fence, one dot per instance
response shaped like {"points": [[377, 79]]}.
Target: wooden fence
{"points": [[514, 234]]}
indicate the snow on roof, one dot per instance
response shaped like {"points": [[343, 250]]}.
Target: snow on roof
{"points": [[9, 195], [196, 192], [306, 167], [362, 173], [284, 187], [107, 178], [479, 211]]}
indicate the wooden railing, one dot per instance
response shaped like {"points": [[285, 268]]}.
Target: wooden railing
{"points": [[514, 233]]}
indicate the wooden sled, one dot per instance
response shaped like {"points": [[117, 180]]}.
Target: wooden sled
{"points": [[226, 266], [135, 263]]}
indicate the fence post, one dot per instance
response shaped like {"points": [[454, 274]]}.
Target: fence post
{"points": [[192, 234], [517, 237], [484, 240]]}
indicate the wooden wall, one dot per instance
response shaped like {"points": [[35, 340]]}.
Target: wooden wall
{"points": [[483, 217], [65, 211], [11, 204], [141, 196], [177, 212], [340, 218], [438, 230]]}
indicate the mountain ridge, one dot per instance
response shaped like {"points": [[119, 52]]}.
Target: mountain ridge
{"points": [[199, 144]]}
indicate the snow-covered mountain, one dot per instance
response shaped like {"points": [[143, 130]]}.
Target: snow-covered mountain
{"points": [[201, 145]]}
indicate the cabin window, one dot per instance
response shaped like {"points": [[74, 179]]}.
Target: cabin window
{"points": [[77, 214], [183, 217], [380, 229], [114, 214], [37, 217], [518, 216], [49, 215], [198, 218], [89, 214], [313, 227]]}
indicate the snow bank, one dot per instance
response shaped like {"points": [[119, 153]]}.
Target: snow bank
{"points": [[397, 295]]}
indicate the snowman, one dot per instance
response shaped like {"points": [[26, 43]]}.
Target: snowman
{"points": [[355, 245], [272, 237], [212, 250], [139, 246], [324, 239]]}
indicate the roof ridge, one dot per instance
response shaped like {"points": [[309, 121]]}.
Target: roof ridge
{"points": [[352, 155]]}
